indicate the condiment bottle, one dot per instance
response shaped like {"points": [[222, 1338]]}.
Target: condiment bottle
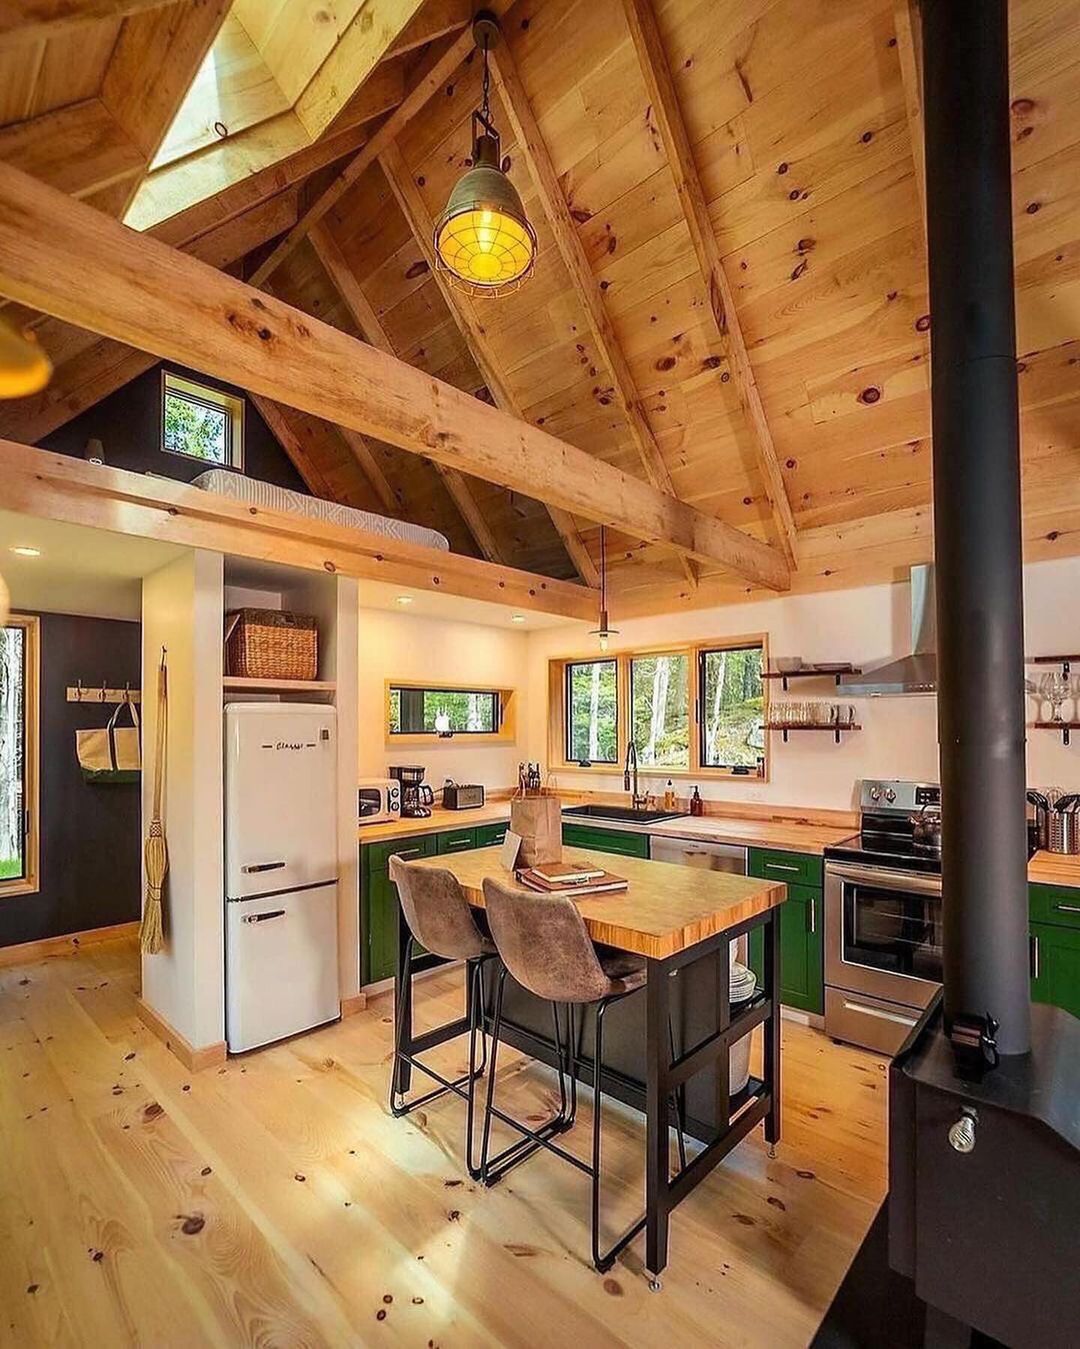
{"points": [[697, 806]]}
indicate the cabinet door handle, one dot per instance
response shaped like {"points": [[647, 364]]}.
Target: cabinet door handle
{"points": [[813, 915], [1067, 908], [1034, 956], [408, 852]]}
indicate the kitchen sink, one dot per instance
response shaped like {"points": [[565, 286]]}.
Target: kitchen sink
{"points": [[625, 814]]}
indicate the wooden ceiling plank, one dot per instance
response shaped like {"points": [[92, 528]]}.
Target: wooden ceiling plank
{"points": [[585, 284], [365, 457], [78, 149], [909, 49], [435, 73], [464, 314], [71, 261], [37, 20], [665, 105], [435, 19], [280, 421]]}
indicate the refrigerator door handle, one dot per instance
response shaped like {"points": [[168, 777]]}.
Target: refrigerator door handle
{"points": [[263, 917], [255, 867]]}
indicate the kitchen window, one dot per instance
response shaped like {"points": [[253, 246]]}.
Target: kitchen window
{"points": [[732, 714], [433, 710], [18, 755], [201, 423], [692, 711], [592, 712]]}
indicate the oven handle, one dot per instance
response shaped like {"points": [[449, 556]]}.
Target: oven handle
{"points": [[906, 880], [877, 1012]]}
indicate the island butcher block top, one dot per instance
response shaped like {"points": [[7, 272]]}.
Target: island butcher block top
{"points": [[667, 908]]}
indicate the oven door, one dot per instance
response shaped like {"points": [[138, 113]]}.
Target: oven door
{"points": [[883, 933]]}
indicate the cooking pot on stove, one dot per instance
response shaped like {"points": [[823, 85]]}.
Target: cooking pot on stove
{"points": [[926, 829]]}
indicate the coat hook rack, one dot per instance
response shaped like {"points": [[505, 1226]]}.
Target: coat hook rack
{"points": [[80, 693]]}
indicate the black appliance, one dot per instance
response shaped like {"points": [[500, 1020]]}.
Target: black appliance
{"points": [[462, 796], [883, 916], [417, 797]]}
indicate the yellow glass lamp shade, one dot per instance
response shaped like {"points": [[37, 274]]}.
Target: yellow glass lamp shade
{"points": [[24, 366], [483, 239]]}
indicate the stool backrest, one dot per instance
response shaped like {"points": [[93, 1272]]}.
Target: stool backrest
{"points": [[544, 944], [436, 910]]}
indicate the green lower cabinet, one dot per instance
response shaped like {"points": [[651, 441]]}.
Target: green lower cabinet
{"points": [[1055, 966], [489, 835], [605, 840], [455, 840], [381, 912], [802, 950]]}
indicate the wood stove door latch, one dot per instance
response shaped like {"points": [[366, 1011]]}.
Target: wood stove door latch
{"points": [[962, 1133]]}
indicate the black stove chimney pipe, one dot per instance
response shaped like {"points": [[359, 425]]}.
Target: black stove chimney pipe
{"points": [[977, 525]]}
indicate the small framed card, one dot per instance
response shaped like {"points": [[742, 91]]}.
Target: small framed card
{"points": [[510, 849]]}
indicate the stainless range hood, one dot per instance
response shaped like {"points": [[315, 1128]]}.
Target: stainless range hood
{"points": [[916, 673]]}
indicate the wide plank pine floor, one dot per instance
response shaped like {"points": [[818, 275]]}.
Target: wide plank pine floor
{"points": [[275, 1202]]}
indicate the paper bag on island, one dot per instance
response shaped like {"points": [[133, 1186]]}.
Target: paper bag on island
{"points": [[538, 820]]}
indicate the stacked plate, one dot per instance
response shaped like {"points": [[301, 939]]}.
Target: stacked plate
{"points": [[743, 983]]}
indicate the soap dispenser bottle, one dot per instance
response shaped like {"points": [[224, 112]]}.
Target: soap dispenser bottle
{"points": [[669, 795], [697, 806]]}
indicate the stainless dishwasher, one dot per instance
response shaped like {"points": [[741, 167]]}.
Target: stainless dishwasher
{"points": [[686, 852]]}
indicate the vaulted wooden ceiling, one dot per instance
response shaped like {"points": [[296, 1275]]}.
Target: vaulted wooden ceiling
{"points": [[730, 298]]}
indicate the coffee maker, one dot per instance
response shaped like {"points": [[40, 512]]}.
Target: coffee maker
{"points": [[416, 797]]}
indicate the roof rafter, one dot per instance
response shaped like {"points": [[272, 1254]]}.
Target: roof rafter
{"points": [[71, 261], [668, 114], [38, 20]]}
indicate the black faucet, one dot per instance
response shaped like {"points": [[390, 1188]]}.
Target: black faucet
{"points": [[631, 785]]}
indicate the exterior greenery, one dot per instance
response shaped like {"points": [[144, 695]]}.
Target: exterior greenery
{"points": [[592, 717], [413, 711], [732, 708], [194, 428], [12, 751], [660, 710]]}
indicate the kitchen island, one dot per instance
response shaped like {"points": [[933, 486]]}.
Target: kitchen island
{"points": [[677, 1037]]}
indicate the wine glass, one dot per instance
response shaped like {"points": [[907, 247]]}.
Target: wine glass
{"points": [[1055, 688]]}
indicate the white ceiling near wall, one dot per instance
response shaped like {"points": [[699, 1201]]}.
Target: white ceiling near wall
{"points": [[454, 608], [79, 570]]}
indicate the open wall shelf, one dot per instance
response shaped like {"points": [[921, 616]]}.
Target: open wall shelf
{"points": [[238, 684], [1065, 727], [833, 672], [837, 730]]}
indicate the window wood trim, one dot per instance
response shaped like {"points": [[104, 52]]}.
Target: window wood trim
{"points": [[505, 735], [30, 883], [556, 717], [228, 403]]}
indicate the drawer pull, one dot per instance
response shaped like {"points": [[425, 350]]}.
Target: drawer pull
{"points": [[408, 852], [896, 1017], [1067, 908], [780, 866]]}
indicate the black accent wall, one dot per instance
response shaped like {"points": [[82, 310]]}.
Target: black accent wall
{"points": [[90, 836], [128, 424]]}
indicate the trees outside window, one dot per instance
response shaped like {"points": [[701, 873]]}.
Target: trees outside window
{"points": [[18, 754], [592, 712]]}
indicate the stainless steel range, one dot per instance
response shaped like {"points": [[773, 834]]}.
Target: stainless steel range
{"points": [[883, 916]]}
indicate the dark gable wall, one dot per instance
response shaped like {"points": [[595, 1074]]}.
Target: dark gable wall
{"points": [[90, 836], [128, 424]]}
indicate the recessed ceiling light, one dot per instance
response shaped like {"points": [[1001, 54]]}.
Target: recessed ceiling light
{"points": [[404, 599], [517, 618], [24, 550]]}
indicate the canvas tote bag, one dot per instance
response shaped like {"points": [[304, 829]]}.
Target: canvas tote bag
{"points": [[111, 753]]}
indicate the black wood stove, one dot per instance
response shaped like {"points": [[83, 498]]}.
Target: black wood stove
{"points": [[984, 1204]]}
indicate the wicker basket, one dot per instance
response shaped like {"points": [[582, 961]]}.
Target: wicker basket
{"points": [[270, 644]]}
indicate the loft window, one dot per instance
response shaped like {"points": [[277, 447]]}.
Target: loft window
{"points": [[427, 710], [592, 711], [201, 423], [18, 755], [732, 716]]}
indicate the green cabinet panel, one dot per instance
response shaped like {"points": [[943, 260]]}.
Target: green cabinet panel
{"points": [[802, 950], [1054, 904], [381, 910], [488, 835], [455, 840], [378, 855], [606, 840], [794, 868], [1055, 966]]}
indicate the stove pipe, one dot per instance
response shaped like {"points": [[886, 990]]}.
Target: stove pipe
{"points": [[977, 525]]}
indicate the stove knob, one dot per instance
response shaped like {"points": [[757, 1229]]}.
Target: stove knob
{"points": [[962, 1133], [890, 796], [875, 793]]}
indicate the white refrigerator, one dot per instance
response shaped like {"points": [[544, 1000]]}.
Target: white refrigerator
{"points": [[281, 871]]}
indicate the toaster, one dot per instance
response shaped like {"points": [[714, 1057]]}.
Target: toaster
{"points": [[462, 796]]}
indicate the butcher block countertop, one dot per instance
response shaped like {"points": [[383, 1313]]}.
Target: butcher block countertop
{"points": [[667, 908], [787, 835], [1051, 868]]}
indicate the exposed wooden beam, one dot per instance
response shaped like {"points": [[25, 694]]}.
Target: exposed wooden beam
{"points": [[289, 436], [78, 149], [365, 457], [909, 49], [39, 20], [668, 115], [371, 329], [59, 487], [435, 19], [436, 72], [464, 314], [582, 278], [71, 261]]}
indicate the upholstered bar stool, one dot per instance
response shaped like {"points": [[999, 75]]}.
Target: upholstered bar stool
{"points": [[544, 944], [439, 917]]}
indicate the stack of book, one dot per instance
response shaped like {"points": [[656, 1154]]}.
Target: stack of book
{"points": [[569, 878]]}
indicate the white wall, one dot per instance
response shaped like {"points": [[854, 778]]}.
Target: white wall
{"points": [[401, 646], [865, 626], [182, 611]]}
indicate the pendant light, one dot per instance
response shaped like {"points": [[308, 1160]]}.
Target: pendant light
{"points": [[603, 631], [483, 240], [24, 367]]}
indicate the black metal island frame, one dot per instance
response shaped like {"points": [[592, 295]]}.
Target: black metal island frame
{"points": [[671, 1039]]}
